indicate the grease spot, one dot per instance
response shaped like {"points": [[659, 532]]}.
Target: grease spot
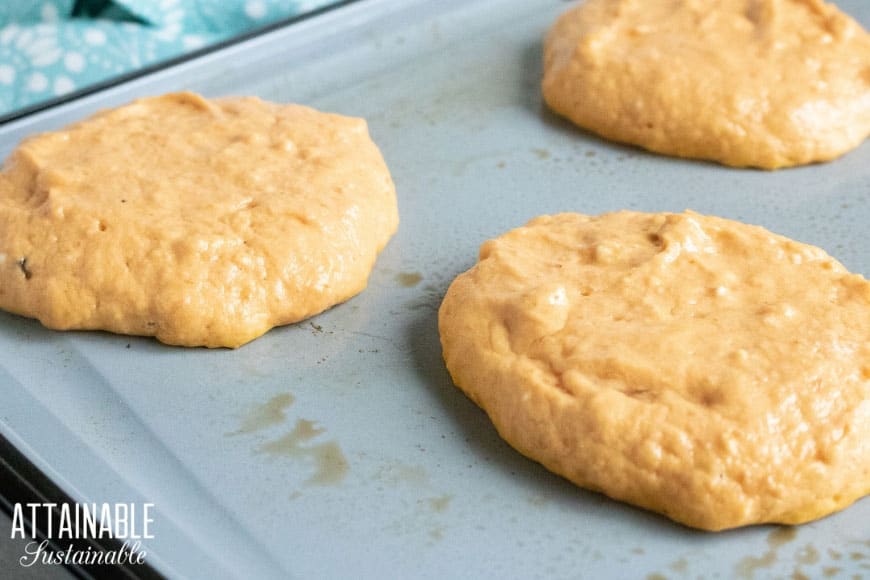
{"points": [[781, 536], [409, 279], [775, 539], [441, 503], [680, 565], [331, 464], [750, 564], [537, 500], [808, 555], [265, 415], [541, 153], [401, 473]]}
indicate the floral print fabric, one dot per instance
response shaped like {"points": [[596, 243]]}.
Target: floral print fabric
{"points": [[51, 47]]}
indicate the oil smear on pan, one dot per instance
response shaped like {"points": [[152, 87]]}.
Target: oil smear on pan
{"points": [[331, 466], [330, 463], [752, 567], [441, 503], [747, 567], [409, 279], [426, 505], [272, 412]]}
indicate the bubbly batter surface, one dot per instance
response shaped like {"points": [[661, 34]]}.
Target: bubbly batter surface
{"points": [[761, 83], [203, 223], [696, 366]]}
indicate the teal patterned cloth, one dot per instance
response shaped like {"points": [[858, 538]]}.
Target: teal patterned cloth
{"points": [[51, 47]]}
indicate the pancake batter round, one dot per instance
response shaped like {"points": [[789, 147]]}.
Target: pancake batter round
{"points": [[695, 366], [760, 83], [203, 223]]}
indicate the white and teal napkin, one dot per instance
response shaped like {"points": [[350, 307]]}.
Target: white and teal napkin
{"points": [[51, 47]]}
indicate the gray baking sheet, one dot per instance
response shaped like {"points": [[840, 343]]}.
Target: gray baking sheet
{"points": [[406, 477]]}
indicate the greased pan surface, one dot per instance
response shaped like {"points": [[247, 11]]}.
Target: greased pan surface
{"points": [[451, 93]]}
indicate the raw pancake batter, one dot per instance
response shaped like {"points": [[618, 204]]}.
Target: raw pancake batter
{"points": [[198, 222], [696, 366], [761, 83]]}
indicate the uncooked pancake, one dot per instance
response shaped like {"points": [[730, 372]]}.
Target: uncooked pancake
{"points": [[760, 83], [691, 365], [203, 223]]}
